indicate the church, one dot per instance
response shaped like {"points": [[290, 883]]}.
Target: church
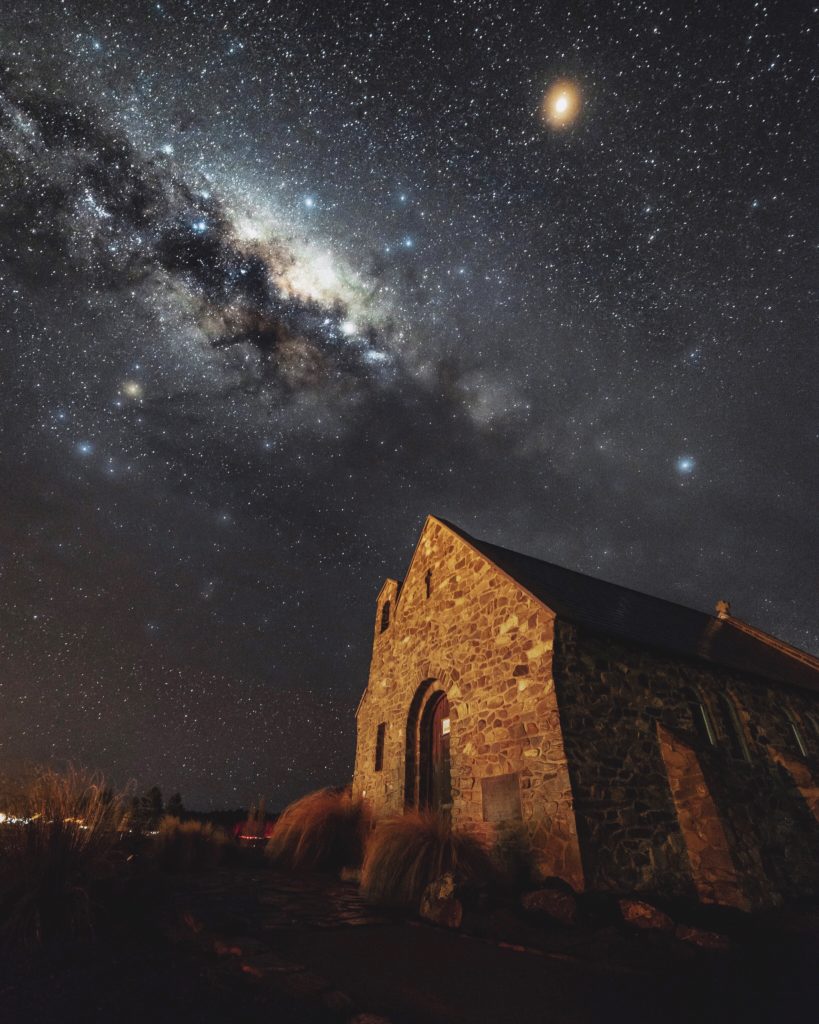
{"points": [[624, 743]]}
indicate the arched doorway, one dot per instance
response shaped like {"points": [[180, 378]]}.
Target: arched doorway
{"points": [[434, 784]]}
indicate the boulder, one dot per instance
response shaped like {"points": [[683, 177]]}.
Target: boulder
{"points": [[439, 904], [557, 904], [642, 915], [711, 941]]}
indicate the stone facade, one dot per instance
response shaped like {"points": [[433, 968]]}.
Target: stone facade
{"points": [[614, 766]]}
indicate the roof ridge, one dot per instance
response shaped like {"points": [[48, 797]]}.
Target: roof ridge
{"points": [[576, 572]]}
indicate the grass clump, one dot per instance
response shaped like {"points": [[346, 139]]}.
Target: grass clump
{"points": [[59, 838], [323, 831], [188, 845], [404, 854]]}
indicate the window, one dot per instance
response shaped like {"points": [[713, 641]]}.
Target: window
{"points": [[385, 615], [793, 721], [379, 746], [703, 724], [428, 581], [733, 728]]}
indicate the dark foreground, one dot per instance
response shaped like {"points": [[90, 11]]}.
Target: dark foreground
{"points": [[248, 943]]}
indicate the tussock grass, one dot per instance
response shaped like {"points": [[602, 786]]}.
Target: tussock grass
{"points": [[404, 854], [64, 842], [323, 831], [188, 845]]}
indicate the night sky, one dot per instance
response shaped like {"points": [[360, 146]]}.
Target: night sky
{"points": [[277, 280]]}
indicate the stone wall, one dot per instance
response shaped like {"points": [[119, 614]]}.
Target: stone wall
{"points": [[480, 638], [630, 723]]}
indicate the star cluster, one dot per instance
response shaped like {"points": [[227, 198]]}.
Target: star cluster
{"points": [[278, 280]]}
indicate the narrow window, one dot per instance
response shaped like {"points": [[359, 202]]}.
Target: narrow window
{"points": [[797, 732], [733, 728], [379, 746], [428, 581], [702, 719], [385, 615]]}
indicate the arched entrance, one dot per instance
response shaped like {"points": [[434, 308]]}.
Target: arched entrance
{"points": [[428, 783], [435, 791]]}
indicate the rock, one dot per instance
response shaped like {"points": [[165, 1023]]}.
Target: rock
{"points": [[305, 983], [705, 940], [556, 904], [338, 1002], [643, 915], [350, 875], [439, 905], [243, 945]]}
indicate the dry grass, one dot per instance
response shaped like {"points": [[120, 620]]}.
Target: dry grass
{"points": [[188, 845], [324, 831], [49, 863], [404, 854]]}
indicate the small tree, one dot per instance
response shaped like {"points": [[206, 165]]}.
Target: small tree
{"points": [[174, 806], [149, 810]]}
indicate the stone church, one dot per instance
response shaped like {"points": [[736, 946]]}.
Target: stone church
{"points": [[625, 743]]}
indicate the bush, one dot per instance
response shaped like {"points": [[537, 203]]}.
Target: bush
{"points": [[404, 854], [324, 831], [60, 838], [188, 845]]}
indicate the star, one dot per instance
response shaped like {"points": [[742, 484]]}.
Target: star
{"points": [[561, 104]]}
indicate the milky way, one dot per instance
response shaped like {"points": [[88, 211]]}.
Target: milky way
{"points": [[275, 284]]}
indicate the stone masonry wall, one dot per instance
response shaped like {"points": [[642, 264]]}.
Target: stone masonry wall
{"points": [[488, 645], [622, 708]]}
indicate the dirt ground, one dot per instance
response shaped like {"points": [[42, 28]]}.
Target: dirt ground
{"points": [[247, 942]]}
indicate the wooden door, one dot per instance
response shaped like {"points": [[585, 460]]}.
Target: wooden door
{"points": [[436, 791]]}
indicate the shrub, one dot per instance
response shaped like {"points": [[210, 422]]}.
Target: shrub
{"points": [[404, 854], [188, 845], [322, 831], [60, 838]]}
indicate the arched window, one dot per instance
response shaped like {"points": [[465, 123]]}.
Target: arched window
{"points": [[385, 615], [796, 732], [733, 728], [703, 723]]}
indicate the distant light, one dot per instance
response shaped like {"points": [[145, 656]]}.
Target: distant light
{"points": [[85, 447], [199, 226], [167, 149], [132, 388], [685, 465], [348, 327], [309, 202], [408, 243]]}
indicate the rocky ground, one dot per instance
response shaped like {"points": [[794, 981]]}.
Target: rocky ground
{"points": [[246, 942]]}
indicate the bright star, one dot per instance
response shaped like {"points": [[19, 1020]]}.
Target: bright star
{"points": [[685, 465], [348, 327], [561, 104], [132, 388]]}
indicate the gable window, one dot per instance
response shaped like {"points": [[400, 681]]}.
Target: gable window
{"points": [[379, 746], [733, 728], [796, 732], [385, 615]]}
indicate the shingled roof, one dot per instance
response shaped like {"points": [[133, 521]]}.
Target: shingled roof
{"points": [[650, 621]]}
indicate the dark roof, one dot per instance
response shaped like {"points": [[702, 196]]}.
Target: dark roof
{"points": [[651, 621]]}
